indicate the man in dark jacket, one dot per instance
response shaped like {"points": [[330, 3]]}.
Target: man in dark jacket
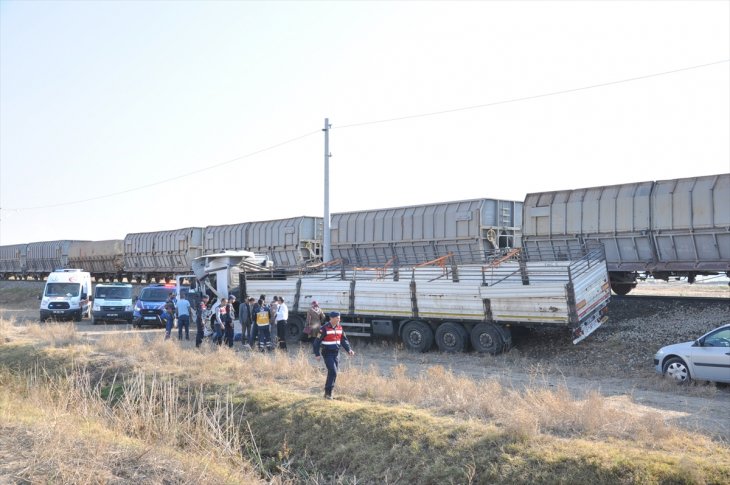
{"points": [[244, 313], [201, 316], [331, 337]]}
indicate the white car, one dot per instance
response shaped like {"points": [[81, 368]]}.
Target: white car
{"points": [[706, 359]]}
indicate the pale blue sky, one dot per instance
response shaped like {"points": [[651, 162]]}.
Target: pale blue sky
{"points": [[99, 97]]}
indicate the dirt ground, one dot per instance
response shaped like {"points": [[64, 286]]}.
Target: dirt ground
{"points": [[616, 361]]}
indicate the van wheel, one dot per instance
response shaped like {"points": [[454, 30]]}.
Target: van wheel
{"points": [[451, 337], [77, 316]]}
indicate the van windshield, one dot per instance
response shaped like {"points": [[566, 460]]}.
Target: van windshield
{"points": [[155, 294], [113, 292], [62, 289]]}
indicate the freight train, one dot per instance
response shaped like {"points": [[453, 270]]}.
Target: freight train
{"points": [[671, 228], [663, 229], [162, 254]]}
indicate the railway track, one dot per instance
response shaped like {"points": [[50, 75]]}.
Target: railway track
{"points": [[670, 299]]}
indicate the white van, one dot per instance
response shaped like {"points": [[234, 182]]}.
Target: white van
{"points": [[112, 301], [66, 295]]}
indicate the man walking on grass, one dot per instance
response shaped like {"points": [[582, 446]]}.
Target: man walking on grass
{"points": [[331, 338]]}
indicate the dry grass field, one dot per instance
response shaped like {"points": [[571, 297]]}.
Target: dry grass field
{"points": [[81, 406]]}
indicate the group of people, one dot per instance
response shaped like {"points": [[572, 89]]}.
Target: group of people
{"points": [[267, 322], [259, 322], [180, 310]]}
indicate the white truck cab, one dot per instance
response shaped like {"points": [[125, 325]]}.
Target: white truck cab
{"points": [[112, 302], [66, 295]]}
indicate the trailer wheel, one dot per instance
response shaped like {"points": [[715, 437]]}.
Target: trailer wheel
{"points": [[486, 339], [452, 337], [295, 328], [417, 336], [506, 338]]}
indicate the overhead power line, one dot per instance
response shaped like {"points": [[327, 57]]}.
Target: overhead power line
{"points": [[527, 98], [364, 123], [170, 179]]}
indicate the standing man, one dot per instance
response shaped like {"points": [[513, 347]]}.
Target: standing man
{"points": [[228, 323], [331, 337], [200, 318], [172, 301], [272, 314], [282, 315], [219, 322], [245, 315], [255, 310], [168, 315], [262, 326], [183, 317]]}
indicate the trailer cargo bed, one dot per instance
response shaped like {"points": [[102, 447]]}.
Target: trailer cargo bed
{"points": [[568, 294]]}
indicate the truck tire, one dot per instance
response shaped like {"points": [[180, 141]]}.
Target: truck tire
{"points": [[77, 316], [506, 338], [452, 337], [417, 336], [487, 339], [294, 328]]}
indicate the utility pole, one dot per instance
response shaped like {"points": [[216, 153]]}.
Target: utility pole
{"points": [[326, 253]]}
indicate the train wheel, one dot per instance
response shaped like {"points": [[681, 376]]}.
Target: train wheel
{"points": [[417, 336], [451, 337], [487, 339], [622, 288]]}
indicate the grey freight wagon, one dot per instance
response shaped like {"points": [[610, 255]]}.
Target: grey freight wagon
{"points": [[103, 259], [42, 258], [678, 227], [13, 260], [161, 254], [291, 242], [469, 229]]}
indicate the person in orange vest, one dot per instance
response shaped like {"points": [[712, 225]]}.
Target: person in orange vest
{"points": [[331, 337]]}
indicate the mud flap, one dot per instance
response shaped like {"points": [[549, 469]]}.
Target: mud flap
{"points": [[589, 326]]}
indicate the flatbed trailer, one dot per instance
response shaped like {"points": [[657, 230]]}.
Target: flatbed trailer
{"points": [[453, 306]]}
